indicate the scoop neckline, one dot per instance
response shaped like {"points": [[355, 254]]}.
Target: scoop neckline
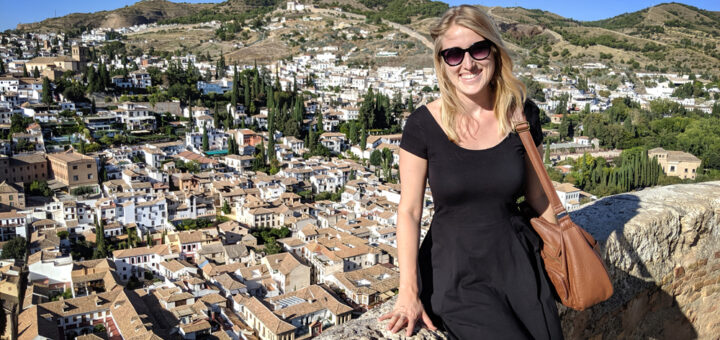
{"points": [[437, 125]]}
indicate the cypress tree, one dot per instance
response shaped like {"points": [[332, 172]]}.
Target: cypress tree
{"points": [[320, 127], [36, 72], [246, 99], [47, 97], [228, 122], [235, 89], [100, 246], [205, 140], [270, 97], [91, 79], [25, 71], [352, 133], [363, 139], [2, 66]]}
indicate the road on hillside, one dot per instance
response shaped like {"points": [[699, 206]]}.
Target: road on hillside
{"points": [[404, 29]]}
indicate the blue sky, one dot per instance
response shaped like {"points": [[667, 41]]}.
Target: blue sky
{"points": [[13, 12]]}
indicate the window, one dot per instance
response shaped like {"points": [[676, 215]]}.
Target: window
{"points": [[74, 167], [90, 176], [672, 168], [75, 178], [89, 166], [685, 170]]}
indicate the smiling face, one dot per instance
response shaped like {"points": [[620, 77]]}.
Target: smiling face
{"points": [[472, 77]]}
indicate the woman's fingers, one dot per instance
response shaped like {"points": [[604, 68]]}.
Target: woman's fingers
{"points": [[428, 322], [399, 324], [410, 326], [386, 316], [393, 321]]}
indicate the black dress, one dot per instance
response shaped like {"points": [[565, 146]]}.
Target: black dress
{"points": [[480, 270]]}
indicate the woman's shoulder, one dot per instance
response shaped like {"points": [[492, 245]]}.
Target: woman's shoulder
{"points": [[421, 113], [531, 109]]}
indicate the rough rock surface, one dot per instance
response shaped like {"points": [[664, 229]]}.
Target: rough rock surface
{"points": [[662, 249], [367, 327]]}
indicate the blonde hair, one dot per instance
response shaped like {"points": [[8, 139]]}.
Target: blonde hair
{"points": [[509, 91]]}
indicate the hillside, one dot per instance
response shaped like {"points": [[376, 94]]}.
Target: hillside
{"points": [[667, 37], [142, 12]]}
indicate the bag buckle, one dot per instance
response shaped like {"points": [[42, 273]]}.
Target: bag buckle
{"points": [[521, 126]]}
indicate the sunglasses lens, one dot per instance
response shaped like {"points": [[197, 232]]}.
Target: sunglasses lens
{"points": [[454, 56], [480, 50]]}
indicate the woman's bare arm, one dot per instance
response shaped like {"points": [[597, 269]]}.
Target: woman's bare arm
{"points": [[534, 193], [408, 308], [413, 173]]}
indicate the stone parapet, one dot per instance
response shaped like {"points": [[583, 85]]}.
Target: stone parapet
{"points": [[662, 249]]}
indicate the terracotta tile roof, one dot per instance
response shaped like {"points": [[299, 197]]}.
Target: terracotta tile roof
{"points": [[272, 322], [315, 299], [172, 265], [213, 298], [379, 280], [160, 249], [283, 262], [32, 324], [191, 236], [228, 282], [196, 327]]}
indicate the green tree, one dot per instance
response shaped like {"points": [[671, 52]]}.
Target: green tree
{"points": [[100, 246], [320, 127], [546, 160], [25, 71], [36, 72], [410, 105], [99, 329], [47, 97], [564, 129], [352, 133], [226, 207], [205, 140], [376, 158], [363, 139], [14, 249], [2, 66], [40, 188], [235, 94]]}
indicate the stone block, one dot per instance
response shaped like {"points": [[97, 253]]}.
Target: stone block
{"points": [[679, 272]]}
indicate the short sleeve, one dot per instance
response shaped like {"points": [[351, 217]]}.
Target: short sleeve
{"points": [[532, 114], [413, 137]]}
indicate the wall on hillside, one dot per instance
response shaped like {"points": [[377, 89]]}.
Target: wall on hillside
{"points": [[662, 248]]}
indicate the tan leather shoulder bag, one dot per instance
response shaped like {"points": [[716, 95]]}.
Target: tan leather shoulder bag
{"points": [[569, 253]]}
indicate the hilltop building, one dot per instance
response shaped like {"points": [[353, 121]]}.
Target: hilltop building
{"points": [[676, 163]]}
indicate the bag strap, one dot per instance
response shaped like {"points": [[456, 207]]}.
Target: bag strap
{"points": [[523, 130]]}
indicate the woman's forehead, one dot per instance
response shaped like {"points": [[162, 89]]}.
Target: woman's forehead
{"points": [[460, 36]]}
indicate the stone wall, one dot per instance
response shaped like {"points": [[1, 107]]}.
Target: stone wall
{"points": [[662, 248]]}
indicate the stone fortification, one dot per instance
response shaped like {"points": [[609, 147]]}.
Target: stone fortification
{"points": [[662, 248]]}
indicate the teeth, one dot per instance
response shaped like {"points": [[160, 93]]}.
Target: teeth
{"points": [[468, 76]]}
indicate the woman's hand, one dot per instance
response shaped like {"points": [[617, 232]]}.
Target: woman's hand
{"points": [[408, 310]]}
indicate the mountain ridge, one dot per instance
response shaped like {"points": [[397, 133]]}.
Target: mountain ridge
{"points": [[669, 36]]}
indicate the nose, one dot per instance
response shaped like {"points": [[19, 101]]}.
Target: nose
{"points": [[467, 61]]}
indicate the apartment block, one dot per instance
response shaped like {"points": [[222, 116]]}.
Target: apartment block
{"points": [[73, 169]]}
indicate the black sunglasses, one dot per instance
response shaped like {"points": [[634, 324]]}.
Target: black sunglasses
{"points": [[479, 51]]}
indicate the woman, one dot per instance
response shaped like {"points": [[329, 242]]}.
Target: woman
{"points": [[478, 273]]}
